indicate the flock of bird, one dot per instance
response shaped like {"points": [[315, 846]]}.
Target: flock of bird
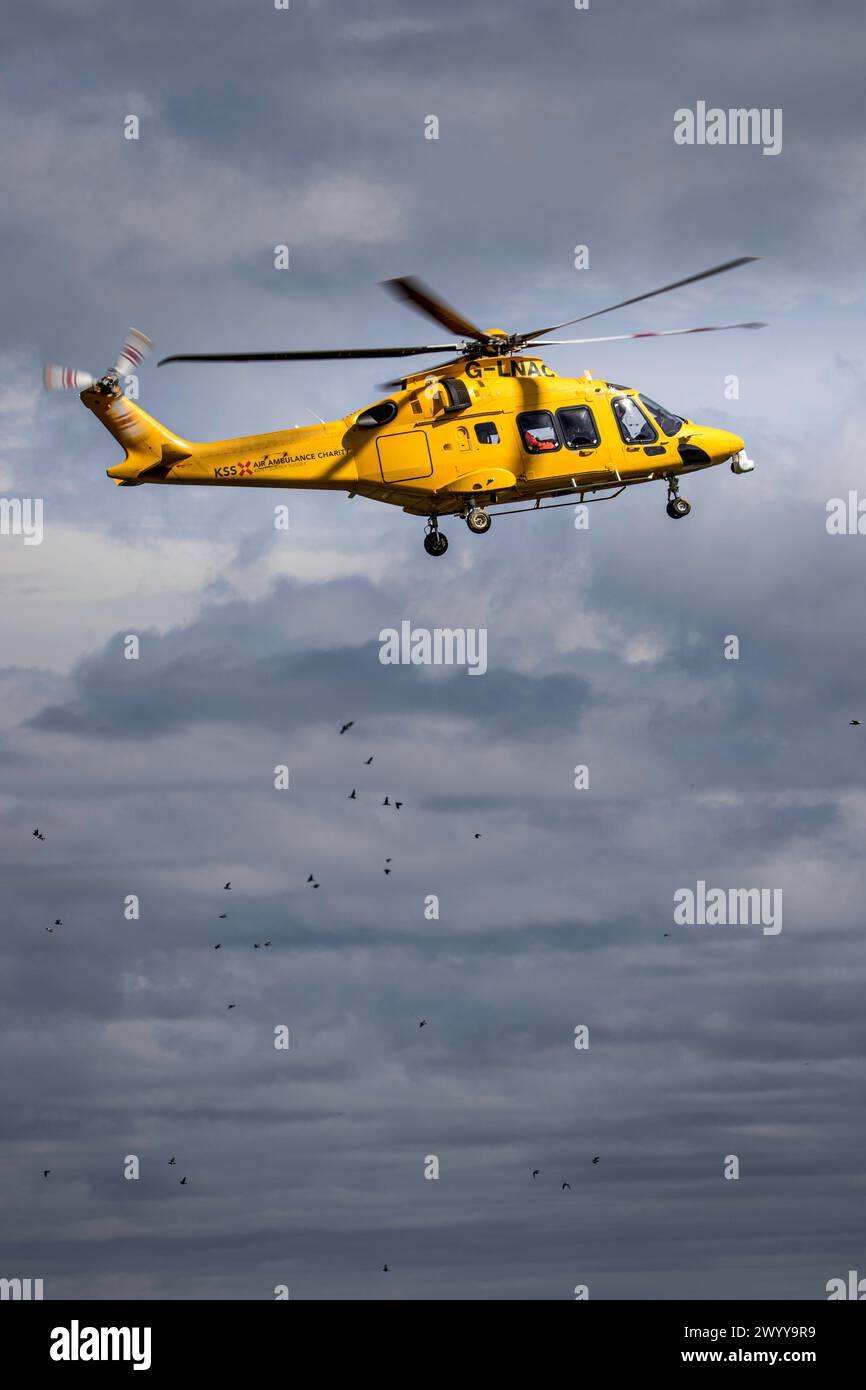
{"points": [[313, 881], [566, 1186], [260, 945]]}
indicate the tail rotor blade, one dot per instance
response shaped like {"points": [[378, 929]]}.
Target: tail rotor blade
{"points": [[136, 347], [65, 378]]}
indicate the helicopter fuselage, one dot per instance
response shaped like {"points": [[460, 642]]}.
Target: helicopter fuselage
{"points": [[479, 433]]}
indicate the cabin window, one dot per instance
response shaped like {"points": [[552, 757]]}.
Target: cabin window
{"points": [[487, 433], [578, 427], [634, 426], [381, 414], [670, 423], [538, 432]]}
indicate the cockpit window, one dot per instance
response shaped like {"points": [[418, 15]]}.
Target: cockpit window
{"points": [[538, 432], [634, 427], [578, 427], [669, 422]]}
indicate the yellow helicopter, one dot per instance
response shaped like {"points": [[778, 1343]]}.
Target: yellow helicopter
{"points": [[494, 427]]}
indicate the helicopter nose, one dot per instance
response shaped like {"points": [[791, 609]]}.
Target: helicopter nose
{"points": [[703, 446], [723, 445]]}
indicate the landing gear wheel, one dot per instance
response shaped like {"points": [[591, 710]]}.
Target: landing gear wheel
{"points": [[435, 543], [678, 507], [478, 521]]}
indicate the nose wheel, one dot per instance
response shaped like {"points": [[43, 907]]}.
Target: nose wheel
{"points": [[478, 521], [677, 506], [435, 543]]}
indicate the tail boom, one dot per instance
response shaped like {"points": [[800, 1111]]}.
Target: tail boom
{"points": [[313, 456]]}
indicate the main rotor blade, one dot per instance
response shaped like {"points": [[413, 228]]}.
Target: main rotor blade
{"points": [[612, 338], [662, 333], [415, 293], [324, 355], [677, 284]]}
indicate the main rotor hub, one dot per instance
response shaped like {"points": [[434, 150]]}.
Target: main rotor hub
{"points": [[495, 343]]}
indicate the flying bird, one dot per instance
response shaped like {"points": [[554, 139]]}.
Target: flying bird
{"points": [[267, 943], [386, 802], [347, 726], [256, 945], [535, 1172], [183, 1182], [423, 1023], [477, 836], [368, 761], [386, 871], [385, 1269], [566, 1186], [854, 721], [223, 916], [310, 879], [352, 795], [398, 804], [228, 885], [218, 946], [170, 1162], [57, 922], [45, 1172], [231, 1006], [38, 833], [595, 1160]]}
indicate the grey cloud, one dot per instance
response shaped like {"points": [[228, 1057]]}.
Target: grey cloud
{"points": [[156, 778]]}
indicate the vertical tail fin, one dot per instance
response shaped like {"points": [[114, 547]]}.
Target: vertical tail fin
{"points": [[149, 446]]}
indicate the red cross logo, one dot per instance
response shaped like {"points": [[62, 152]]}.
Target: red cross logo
{"points": [[244, 468]]}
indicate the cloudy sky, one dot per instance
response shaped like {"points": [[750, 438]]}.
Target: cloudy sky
{"points": [[605, 648]]}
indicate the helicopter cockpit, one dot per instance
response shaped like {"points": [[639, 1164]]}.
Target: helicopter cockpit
{"points": [[671, 424], [635, 421]]}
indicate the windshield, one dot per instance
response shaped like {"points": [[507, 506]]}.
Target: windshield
{"points": [[634, 427], [669, 422]]}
